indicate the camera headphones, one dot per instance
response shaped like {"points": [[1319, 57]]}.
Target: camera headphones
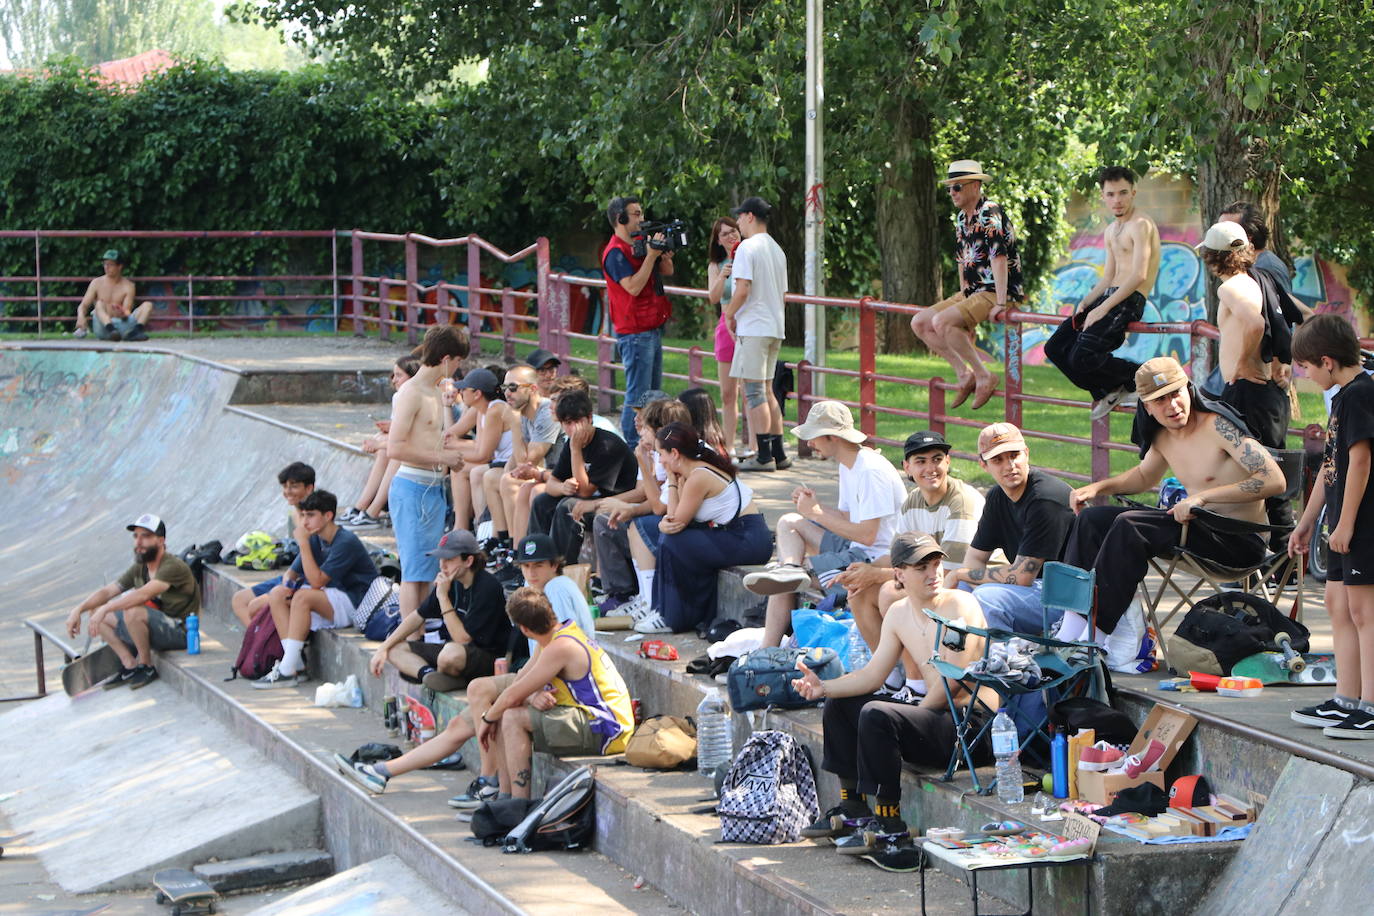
{"points": [[616, 211]]}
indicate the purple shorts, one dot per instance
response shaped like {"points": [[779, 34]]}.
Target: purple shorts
{"points": [[725, 343]]}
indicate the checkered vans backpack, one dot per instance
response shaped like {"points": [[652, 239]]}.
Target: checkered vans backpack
{"points": [[769, 795]]}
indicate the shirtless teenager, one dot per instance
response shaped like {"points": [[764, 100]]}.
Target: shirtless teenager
{"points": [[494, 427], [1250, 389], [1082, 346], [868, 735], [416, 439], [1224, 469], [111, 295]]}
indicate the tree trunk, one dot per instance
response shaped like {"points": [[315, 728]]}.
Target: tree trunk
{"points": [[908, 225], [1222, 178], [788, 229]]}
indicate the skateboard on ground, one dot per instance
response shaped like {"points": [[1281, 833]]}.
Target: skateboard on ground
{"points": [[1274, 668], [7, 840], [185, 891], [419, 721], [90, 669]]}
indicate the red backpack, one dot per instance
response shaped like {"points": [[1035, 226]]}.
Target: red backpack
{"points": [[261, 648]]}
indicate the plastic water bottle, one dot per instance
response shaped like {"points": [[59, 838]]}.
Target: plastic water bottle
{"points": [[1006, 747], [1059, 764], [858, 654], [715, 744], [193, 634]]}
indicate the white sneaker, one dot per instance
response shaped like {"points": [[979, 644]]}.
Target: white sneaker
{"points": [[652, 623], [778, 579], [275, 678], [1105, 406], [637, 607]]}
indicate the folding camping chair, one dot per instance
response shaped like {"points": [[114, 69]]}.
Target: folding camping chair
{"points": [[1271, 578], [1067, 669]]}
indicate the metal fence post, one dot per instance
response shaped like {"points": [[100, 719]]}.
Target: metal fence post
{"points": [[803, 401], [412, 289], [508, 323], [38, 275], [190, 306], [557, 320], [356, 243], [868, 365], [384, 308], [605, 374], [474, 297], [541, 285], [937, 404], [1011, 342]]}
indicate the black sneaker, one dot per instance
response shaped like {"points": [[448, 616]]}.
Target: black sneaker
{"points": [[111, 332], [122, 678], [138, 333], [143, 676], [899, 856], [1357, 724], [1328, 712]]}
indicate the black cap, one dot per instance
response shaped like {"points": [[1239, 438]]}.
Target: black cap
{"points": [[457, 543], [755, 205], [536, 547], [540, 358], [919, 442], [482, 380], [1146, 798]]}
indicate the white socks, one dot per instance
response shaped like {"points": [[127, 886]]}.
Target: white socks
{"points": [[291, 656], [1074, 628], [646, 584]]}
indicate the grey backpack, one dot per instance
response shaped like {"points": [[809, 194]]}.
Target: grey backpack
{"points": [[769, 794]]}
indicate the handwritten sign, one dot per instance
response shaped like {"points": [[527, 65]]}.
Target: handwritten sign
{"points": [[1078, 827]]}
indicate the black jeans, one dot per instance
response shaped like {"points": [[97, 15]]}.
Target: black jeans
{"points": [[1117, 543], [1266, 411], [868, 737], [1085, 355], [552, 515], [613, 562]]}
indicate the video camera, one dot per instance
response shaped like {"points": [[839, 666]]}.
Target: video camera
{"points": [[674, 233]]}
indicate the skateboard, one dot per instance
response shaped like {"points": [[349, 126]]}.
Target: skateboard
{"points": [[1274, 668], [419, 721], [185, 891], [89, 670], [6, 840]]}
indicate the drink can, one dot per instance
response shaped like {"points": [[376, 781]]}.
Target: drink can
{"points": [[389, 716], [501, 666], [638, 712]]}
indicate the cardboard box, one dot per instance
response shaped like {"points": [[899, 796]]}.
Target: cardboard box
{"points": [[1168, 724]]}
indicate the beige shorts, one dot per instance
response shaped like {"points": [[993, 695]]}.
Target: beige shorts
{"points": [[755, 358], [975, 308], [564, 731]]}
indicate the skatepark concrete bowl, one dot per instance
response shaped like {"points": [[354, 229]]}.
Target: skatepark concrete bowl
{"points": [[90, 439]]}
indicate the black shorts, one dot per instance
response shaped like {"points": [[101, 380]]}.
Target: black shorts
{"points": [[1355, 567], [479, 662]]}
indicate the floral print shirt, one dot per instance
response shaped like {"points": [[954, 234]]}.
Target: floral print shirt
{"points": [[989, 234]]}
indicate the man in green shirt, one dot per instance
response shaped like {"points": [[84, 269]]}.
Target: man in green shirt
{"points": [[145, 608]]}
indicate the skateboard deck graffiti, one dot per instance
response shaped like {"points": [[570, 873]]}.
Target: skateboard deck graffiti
{"points": [[419, 720], [1272, 668]]}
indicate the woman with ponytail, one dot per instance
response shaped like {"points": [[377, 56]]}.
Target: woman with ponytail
{"points": [[712, 523]]}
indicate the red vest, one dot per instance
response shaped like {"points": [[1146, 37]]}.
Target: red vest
{"points": [[632, 314]]}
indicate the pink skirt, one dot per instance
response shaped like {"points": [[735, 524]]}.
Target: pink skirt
{"points": [[725, 343]]}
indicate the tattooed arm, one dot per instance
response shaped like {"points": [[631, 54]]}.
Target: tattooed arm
{"points": [[1263, 480]]}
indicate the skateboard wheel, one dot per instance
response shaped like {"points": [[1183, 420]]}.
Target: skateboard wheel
{"points": [[1297, 665], [837, 822], [871, 838], [160, 897]]}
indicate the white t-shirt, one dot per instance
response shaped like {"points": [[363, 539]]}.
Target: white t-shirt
{"points": [[760, 260], [873, 488]]}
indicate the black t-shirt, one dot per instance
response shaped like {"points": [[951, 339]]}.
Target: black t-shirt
{"points": [[481, 607], [1036, 525], [1352, 419], [611, 464]]}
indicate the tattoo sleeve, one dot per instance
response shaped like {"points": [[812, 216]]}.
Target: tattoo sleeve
{"points": [[976, 575], [1250, 485], [1252, 459], [1227, 430], [1009, 574]]}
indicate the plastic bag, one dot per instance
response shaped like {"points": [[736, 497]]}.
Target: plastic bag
{"points": [[1130, 648], [813, 628], [349, 693]]}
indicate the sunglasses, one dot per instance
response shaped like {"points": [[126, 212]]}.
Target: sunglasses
{"points": [[956, 187], [512, 386]]}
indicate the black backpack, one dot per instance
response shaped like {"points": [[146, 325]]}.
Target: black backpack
{"points": [[564, 819], [1221, 630]]}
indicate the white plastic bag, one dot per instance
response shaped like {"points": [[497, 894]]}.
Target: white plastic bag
{"points": [[1130, 648], [349, 693]]}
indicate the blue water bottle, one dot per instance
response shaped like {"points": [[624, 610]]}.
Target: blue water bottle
{"points": [[1059, 764], [193, 634]]}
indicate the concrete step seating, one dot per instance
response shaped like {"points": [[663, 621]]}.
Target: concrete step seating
{"points": [[647, 822]]}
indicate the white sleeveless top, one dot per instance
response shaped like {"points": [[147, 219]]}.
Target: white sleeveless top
{"points": [[725, 505]]}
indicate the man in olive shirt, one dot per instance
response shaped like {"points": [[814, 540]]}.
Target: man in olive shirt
{"points": [[146, 607]]}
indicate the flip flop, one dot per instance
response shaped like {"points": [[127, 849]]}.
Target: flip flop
{"points": [[983, 395], [962, 392]]}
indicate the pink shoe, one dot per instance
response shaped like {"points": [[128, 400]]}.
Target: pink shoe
{"points": [[1101, 756], [1147, 760]]}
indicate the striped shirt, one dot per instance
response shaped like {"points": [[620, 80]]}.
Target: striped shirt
{"points": [[952, 521]]}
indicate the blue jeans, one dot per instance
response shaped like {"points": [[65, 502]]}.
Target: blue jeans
{"points": [[1014, 607], [642, 354]]}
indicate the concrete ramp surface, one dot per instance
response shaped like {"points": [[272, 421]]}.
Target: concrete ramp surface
{"points": [[382, 887], [117, 784]]}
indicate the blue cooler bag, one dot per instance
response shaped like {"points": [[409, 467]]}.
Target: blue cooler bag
{"points": [[764, 677]]}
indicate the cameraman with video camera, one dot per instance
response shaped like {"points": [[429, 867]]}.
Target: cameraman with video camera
{"points": [[638, 306]]}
